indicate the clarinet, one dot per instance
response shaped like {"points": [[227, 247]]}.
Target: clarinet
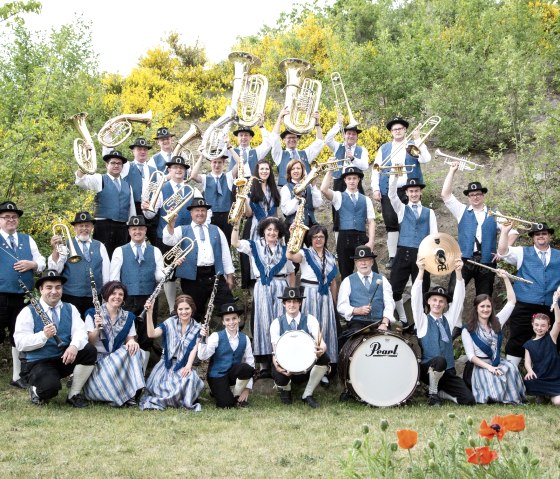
{"points": [[39, 310], [167, 274], [210, 308], [96, 303]]}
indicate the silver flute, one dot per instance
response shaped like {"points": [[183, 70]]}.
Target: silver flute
{"points": [[509, 275]]}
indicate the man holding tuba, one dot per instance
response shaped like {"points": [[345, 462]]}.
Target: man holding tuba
{"points": [[163, 156], [250, 155]]}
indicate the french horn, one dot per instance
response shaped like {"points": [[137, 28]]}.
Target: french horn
{"points": [[116, 130], [84, 155]]}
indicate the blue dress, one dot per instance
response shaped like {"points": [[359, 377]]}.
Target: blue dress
{"points": [[546, 365]]}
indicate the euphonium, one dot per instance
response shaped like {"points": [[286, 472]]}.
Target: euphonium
{"points": [[299, 230], [66, 246], [85, 157], [237, 209], [181, 146], [302, 95], [253, 93], [176, 202], [153, 190], [118, 129]]}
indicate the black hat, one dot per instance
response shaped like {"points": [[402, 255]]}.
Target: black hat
{"points": [[288, 132], [229, 308], [199, 203], [362, 252], [396, 121], [115, 154], [136, 221], [163, 133], [142, 143], [538, 227], [352, 170], [243, 128], [474, 186], [438, 291], [49, 275], [178, 160], [82, 217], [352, 128], [11, 207], [291, 293], [413, 182]]}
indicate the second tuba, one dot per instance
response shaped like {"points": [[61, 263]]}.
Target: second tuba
{"points": [[116, 130], [85, 155]]}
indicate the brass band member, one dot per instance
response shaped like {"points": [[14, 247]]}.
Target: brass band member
{"points": [[250, 155], [163, 156]]}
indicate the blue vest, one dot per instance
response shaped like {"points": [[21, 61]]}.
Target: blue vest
{"points": [[467, 236], [188, 269], [77, 274], [64, 332], [352, 217], [184, 216], [308, 211], [545, 280], [220, 203], [409, 160], [134, 178], [341, 153], [139, 279], [285, 326], [414, 230], [360, 296], [284, 164], [111, 203], [224, 357], [160, 162], [8, 276], [251, 159], [433, 346]]}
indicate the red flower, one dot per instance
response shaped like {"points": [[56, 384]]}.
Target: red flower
{"points": [[497, 428], [481, 455], [407, 438], [514, 422]]}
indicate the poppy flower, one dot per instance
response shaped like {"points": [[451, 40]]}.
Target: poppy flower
{"points": [[481, 455], [496, 428], [407, 438], [514, 422]]}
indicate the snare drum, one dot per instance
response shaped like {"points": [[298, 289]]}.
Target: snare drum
{"points": [[381, 369], [295, 351]]}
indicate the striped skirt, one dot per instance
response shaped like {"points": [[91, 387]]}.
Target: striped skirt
{"points": [[507, 388], [267, 307], [116, 378], [166, 388], [322, 307]]}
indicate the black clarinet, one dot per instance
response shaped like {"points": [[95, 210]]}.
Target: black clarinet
{"points": [[210, 308], [96, 303]]}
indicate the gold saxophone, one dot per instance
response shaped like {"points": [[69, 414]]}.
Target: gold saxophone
{"points": [[238, 207], [298, 229]]}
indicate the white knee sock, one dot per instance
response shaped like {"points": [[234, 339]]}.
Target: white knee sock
{"points": [[434, 376], [240, 385], [81, 375], [288, 387], [514, 360], [446, 396], [16, 364], [170, 289], [145, 360], [392, 241], [399, 306], [314, 379]]}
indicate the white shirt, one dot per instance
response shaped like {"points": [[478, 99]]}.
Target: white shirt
{"points": [[35, 254], [312, 327], [312, 151], [337, 203], [347, 310], [515, 255], [90, 327], [204, 178], [245, 247], [361, 163], [261, 150], [289, 203], [117, 262]]}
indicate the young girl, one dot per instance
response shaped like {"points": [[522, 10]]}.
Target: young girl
{"points": [[542, 360]]}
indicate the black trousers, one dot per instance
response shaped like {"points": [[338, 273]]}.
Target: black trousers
{"points": [[135, 304], [283, 380], [449, 382], [151, 223], [390, 217], [244, 259], [346, 245], [221, 387], [520, 328], [340, 185], [111, 233], [10, 306], [483, 278], [82, 303], [220, 220], [45, 374], [404, 267]]}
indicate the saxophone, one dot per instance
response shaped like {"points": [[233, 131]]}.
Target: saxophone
{"points": [[298, 229], [238, 207]]}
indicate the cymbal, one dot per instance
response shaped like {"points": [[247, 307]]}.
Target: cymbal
{"points": [[440, 251]]}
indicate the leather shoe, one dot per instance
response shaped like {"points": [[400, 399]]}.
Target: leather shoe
{"points": [[19, 383], [77, 401], [263, 374], [243, 404], [131, 403], [389, 264], [285, 397], [35, 399], [344, 396], [311, 402], [434, 400]]}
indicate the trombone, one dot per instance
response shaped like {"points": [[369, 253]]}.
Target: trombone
{"points": [[517, 223], [337, 84], [60, 229], [397, 170], [176, 202], [153, 190], [464, 164]]}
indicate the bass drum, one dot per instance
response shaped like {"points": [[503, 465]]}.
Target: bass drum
{"points": [[381, 370]]}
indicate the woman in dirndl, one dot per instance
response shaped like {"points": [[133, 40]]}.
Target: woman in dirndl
{"points": [[118, 375], [173, 381], [273, 272], [491, 378]]}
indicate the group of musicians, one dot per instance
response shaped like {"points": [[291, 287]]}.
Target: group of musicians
{"points": [[124, 250]]}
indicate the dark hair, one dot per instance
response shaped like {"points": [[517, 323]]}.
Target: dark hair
{"points": [[185, 298], [313, 230], [472, 322], [257, 193], [109, 288], [266, 222], [291, 164]]}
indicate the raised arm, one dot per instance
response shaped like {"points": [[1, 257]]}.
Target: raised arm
{"points": [[325, 186], [447, 189]]}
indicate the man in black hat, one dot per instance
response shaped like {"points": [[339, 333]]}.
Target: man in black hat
{"points": [[94, 258], [292, 320], [477, 232], [161, 158], [380, 182], [416, 222], [19, 258], [114, 201], [434, 327], [250, 155], [282, 157], [46, 362], [231, 360], [355, 212], [211, 256], [539, 263]]}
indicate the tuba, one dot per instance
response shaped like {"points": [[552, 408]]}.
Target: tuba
{"points": [[118, 129], [238, 207], [181, 146], [299, 229], [302, 95], [85, 157], [66, 247], [253, 93]]}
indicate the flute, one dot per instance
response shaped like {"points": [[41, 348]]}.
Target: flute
{"points": [[509, 275]]}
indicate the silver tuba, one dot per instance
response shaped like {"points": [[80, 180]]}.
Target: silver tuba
{"points": [[253, 92], [302, 95], [85, 156], [181, 146], [118, 129]]}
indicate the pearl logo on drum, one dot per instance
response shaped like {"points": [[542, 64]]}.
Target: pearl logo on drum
{"points": [[376, 350]]}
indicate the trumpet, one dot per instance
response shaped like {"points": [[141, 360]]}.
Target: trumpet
{"points": [[176, 202], [397, 170], [118, 129], [85, 156], [338, 85], [153, 190], [517, 223], [181, 146], [464, 164], [316, 168], [60, 229]]}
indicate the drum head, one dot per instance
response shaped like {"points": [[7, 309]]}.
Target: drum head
{"points": [[295, 351], [383, 370]]}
